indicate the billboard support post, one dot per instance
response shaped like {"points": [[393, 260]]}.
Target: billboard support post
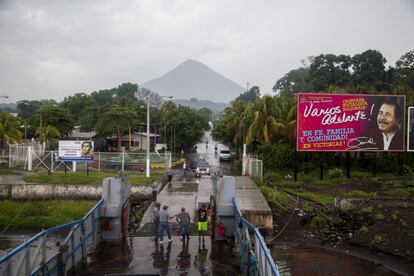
{"points": [[374, 164], [64, 163], [400, 162], [321, 159], [296, 166], [348, 165]]}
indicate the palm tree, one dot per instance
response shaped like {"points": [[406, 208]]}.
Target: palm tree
{"points": [[9, 129], [265, 126], [47, 135]]}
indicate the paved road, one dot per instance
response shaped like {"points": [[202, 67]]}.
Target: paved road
{"points": [[141, 254]]}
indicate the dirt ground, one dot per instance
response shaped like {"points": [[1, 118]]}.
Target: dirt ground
{"points": [[382, 224]]}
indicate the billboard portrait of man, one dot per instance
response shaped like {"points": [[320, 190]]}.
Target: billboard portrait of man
{"points": [[86, 149], [388, 131]]}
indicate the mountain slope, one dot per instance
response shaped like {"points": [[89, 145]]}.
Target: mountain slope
{"points": [[192, 79]]}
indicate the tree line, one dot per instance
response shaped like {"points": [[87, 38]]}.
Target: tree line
{"points": [[268, 123], [104, 111]]}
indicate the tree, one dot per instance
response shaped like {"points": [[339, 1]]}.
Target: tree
{"points": [[26, 109], [264, 127], [56, 116], [369, 68], [404, 70], [48, 135], [293, 82], [115, 118], [9, 129], [77, 104], [250, 96], [329, 69], [144, 93]]}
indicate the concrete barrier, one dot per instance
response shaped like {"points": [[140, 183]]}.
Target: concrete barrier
{"points": [[42, 191]]}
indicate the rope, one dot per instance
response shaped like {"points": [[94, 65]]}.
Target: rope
{"points": [[287, 223]]}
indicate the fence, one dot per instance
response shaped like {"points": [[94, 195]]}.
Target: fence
{"points": [[30, 258], [253, 167], [106, 161], [255, 258]]}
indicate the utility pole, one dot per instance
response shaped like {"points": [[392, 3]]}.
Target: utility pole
{"points": [[4, 99]]}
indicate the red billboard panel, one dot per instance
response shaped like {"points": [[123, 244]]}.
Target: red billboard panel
{"points": [[350, 122]]}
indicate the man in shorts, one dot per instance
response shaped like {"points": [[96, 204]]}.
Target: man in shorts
{"points": [[183, 219], [202, 222]]}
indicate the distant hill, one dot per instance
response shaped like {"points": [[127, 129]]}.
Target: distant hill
{"points": [[217, 108], [193, 79]]}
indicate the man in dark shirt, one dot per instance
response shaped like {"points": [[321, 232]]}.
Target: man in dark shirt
{"points": [[202, 222]]}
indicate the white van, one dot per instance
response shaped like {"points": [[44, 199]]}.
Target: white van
{"points": [[225, 154]]}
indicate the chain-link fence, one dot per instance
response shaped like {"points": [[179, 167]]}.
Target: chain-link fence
{"points": [[103, 161], [17, 153]]}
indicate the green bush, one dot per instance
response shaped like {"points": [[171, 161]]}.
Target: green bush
{"points": [[272, 177], [319, 221], [363, 230], [336, 173], [411, 192], [355, 193], [277, 156], [378, 239], [379, 216]]}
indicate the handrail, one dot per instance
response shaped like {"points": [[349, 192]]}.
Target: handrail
{"points": [[262, 244], [73, 225]]}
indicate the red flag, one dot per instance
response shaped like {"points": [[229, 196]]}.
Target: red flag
{"points": [[119, 140]]}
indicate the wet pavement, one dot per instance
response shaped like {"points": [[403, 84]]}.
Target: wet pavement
{"points": [[12, 179], [145, 256]]}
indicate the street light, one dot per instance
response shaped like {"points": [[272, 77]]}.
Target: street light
{"points": [[148, 132], [4, 99]]}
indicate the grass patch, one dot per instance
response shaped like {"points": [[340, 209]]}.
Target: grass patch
{"points": [[359, 193], [42, 214], [277, 201], [313, 196], [94, 178]]}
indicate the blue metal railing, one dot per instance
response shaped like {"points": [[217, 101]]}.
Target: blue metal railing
{"points": [[255, 258], [83, 234]]}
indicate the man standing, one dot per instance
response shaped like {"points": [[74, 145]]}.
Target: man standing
{"points": [[156, 219], [183, 219], [164, 224], [169, 176], [202, 224], [154, 187], [184, 167]]}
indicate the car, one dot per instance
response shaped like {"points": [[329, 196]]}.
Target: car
{"points": [[202, 168], [225, 155]]}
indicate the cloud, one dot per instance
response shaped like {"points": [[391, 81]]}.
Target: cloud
{"points": [[51, 49]]}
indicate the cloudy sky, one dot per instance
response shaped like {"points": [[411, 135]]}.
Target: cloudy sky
{"points": [[54, 48]]}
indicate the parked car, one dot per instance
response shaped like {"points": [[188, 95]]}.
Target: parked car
{"points": [[225, 155], [202, 168]]}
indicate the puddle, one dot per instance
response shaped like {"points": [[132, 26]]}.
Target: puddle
{"points": [[304, 260]]}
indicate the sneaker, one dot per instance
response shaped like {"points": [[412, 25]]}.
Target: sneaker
{"points": [[169, 240], [160, 242]]}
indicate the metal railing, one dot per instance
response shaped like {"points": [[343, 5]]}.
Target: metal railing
{"points": [[30, 258], [255, 258]]}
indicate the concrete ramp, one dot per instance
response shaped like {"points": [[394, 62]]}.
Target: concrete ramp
{"points": [[252, 203]]}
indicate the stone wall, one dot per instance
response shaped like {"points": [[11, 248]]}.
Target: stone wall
{"points": [[41, 191]]}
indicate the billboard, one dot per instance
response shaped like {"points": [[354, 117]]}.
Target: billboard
{"points": [[350, 122], [410, 130], [81, 151]]}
